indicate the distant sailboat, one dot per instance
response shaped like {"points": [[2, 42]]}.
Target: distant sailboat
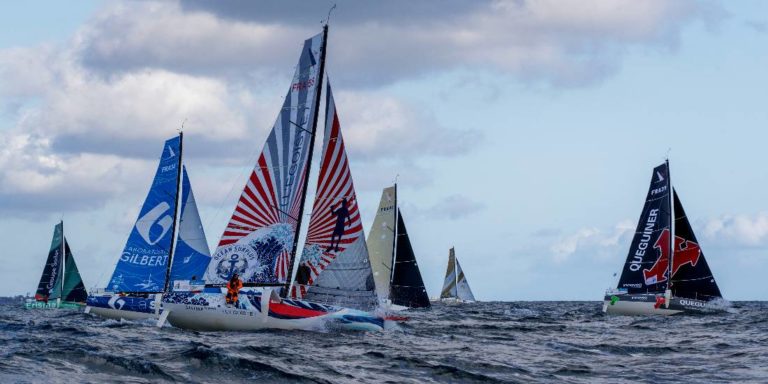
{"points": [[455, 286], [398, 280], [60, 285], [160, 248], [662, 276], [261, 240]]}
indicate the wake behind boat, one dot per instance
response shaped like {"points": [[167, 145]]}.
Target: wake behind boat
{"points": [[60, 284], [260, 242], [664, 275]]}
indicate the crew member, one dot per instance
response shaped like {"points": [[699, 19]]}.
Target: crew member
{"points": [[233, 288]]}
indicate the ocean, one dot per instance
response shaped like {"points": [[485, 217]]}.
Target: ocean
{"points": [[496, 342]]}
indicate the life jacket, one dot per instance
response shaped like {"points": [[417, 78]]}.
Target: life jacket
{"points": [[233, 289]]}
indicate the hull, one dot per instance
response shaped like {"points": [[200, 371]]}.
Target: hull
{"points": [[52, 305], [125, 307], [647, 304], [257, 311]]}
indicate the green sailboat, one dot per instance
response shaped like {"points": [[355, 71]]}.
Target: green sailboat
{"points": [[60, 285]]}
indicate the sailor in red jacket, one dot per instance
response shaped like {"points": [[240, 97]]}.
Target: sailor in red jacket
{"points": [[233, 288]]}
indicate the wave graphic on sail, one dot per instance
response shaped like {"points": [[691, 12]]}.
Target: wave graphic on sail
{"points": [[260, 236], [143, 264], [192, 255], [334, 267]]}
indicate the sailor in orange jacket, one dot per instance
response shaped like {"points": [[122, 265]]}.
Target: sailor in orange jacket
{"points": [[233, 288]]}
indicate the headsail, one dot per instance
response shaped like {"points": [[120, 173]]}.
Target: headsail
{"points": [[191, 256], [645, 269], [73, 289], [449, 285], [144, 262], [462, 286], [381, 242], [407, 287], [691, 276], [50, 283], [261, 236], [334, 267]]}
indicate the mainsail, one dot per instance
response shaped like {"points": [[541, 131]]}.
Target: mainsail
{"points": [[407, 287], [334, 267], [644, 270], [144, 262], [449, 284], [50, 282], [381, 242], [455, 284], [191, 257], [691, 276], [260, 240]]}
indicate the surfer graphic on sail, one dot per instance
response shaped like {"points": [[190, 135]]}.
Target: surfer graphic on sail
{"points": [[342, 217]]}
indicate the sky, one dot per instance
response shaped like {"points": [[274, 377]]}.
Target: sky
{"points": [[521, 132]]}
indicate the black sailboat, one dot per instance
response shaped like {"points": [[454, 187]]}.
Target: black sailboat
{"points": [[61, 285], [663, 274]]}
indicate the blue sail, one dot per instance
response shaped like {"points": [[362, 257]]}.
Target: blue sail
{"points": [[192, 254], [144, 262]]}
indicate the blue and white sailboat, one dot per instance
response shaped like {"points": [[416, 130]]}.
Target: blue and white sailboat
{"points": [[163, 246]]}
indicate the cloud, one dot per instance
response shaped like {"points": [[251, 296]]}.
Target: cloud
{"points": [[748, 231], [453, 207], [564, 42], [593, 243]]}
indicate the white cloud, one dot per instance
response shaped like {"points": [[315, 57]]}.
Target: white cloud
{"points": [[738, 230], [453, 207], [593, 242]]}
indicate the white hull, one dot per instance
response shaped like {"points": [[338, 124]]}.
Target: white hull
{"points": [[118, 314], [647, 304]]}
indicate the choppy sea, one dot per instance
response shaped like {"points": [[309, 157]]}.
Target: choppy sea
{"points": [[516, 342]]}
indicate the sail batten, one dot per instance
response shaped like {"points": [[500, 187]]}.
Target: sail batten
{"points": [[261, 237], [334, 267]]}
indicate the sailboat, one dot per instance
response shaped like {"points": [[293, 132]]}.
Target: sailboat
{"points": [[60, 285], [455, 287], [398, 280], [665, 272], [261, 239], [161, 248]]}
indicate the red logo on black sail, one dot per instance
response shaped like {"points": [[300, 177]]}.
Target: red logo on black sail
{"points": [[686, 252]]}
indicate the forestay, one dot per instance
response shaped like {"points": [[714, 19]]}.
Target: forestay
{"points": [[259, 239], [334, 267]]}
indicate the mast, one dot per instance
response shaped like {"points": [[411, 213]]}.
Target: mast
{"points": [[291, 262], [668, 291], [62, 262], [175, 213], [394, 242]]}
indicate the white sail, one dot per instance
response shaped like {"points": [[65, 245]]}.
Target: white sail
{"points": [[381, 242], [462, 286]]}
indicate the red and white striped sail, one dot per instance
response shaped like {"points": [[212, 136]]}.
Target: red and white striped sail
{"points": [[334, 266], [259, 238]]}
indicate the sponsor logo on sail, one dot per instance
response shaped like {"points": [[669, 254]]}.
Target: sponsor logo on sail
{"points": [[686, 252], [642, 246], [155, 216], [231, 259]]}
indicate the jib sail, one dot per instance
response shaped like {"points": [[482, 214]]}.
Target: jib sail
{"points": [[463, 292], [407, 287], [645, 268], [143, 265], [191, 257], [691, 276], [334, 267], [259, 241], [73, 289]]}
